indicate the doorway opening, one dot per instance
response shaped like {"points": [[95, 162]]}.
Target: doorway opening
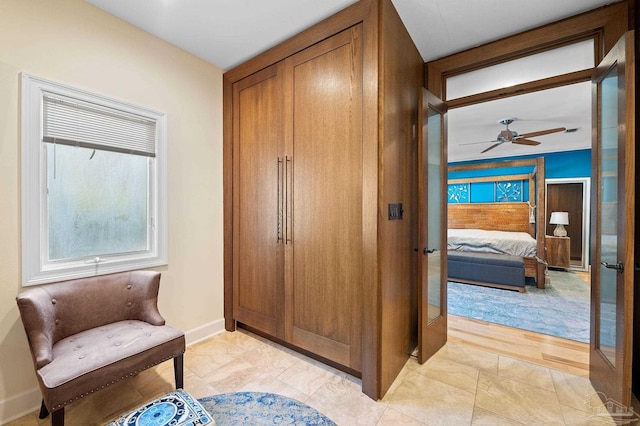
{"points": [[607, 33], [553, 123]]}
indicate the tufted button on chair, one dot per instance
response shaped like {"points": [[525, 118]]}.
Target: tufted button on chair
{"points": [[89, 333]]}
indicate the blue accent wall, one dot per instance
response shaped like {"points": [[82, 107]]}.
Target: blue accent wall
{"points": [[567, 164]]}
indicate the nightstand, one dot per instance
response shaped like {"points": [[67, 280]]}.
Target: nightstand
{"points": [[558, 251]]}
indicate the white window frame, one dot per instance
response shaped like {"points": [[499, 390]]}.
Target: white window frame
{"points": [[35, 266]]}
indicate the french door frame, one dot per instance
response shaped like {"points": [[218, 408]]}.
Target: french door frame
{"points": [[610, 366], [432, 332]]}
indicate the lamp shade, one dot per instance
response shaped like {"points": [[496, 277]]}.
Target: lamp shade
{"points": [[559, 218]]}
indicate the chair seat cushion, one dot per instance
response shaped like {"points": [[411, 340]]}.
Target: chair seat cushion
{"points": [[98, 357]]}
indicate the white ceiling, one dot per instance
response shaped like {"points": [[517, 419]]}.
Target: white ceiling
{"points": [[228, 32], [223, 32]]}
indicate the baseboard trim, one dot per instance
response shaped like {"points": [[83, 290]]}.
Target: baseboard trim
{"points": [[19, 405], [27, 402], [204, 331]]}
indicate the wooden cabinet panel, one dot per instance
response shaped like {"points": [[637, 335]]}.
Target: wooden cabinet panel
{"points": [[258, 194], [298, 199], [324, 282], [337, 104]]}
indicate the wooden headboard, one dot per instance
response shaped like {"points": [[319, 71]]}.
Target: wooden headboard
{"points": [[490, 216]]}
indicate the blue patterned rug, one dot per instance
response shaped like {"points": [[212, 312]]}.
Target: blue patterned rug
{"points": [[562, 309], [260, 408], [177, 408]]}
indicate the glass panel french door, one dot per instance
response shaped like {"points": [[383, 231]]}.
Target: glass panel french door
{"points": [[432, 290], [608, 153], [434, 214], [613, 208]]}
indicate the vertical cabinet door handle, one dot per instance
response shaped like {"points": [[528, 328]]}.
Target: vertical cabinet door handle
{"points": [[279, 199], [287, 195]]}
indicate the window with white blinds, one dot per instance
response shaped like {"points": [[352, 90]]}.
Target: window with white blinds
{"points": [[93, 184], [72, 122]]}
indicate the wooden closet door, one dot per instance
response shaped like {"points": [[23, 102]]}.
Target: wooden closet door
{"points": [[324, 177], [258, 228]]}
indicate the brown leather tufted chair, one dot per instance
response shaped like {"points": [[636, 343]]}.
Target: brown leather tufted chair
{"points": [[89, 333]]}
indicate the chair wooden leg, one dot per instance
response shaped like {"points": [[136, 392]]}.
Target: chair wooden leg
{"points": [[57, 417], [44, 412], [178, 370]]}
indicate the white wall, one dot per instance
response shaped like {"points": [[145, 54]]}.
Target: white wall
{"points": [[74, 43]]}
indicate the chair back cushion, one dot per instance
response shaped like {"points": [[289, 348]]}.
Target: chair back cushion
{"points": [[52, 312]]}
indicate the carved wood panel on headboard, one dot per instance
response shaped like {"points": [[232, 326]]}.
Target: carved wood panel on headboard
{"points": [[490, 216]]}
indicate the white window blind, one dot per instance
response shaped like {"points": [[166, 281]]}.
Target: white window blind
{"points": [[72, 122]]}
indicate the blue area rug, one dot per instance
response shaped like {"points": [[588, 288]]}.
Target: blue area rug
{"points": [[562, 309], [260, 408], [177, 408]]}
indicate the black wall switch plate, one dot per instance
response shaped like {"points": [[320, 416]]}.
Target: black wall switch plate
{"points": [[395, 211]]}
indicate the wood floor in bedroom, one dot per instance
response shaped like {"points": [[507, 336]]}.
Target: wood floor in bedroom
{"points": [[548, 351]]}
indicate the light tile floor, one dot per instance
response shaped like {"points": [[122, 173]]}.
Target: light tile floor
{"points": [[460, 385]]}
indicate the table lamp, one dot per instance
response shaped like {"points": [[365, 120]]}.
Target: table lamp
{"points": [[559, 219]]}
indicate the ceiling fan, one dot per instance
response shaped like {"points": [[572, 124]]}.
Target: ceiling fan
{"points": [[508, 135]]}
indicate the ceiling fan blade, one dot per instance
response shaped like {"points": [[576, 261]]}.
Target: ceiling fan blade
{"points": [[526, 142], [541, 132], [475, 143], [492, 146]]}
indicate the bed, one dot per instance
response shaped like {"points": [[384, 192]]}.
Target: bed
{"points": [[497, 242], [511, 228]]}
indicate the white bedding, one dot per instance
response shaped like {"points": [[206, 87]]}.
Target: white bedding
{"points": [[501, 242]]}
